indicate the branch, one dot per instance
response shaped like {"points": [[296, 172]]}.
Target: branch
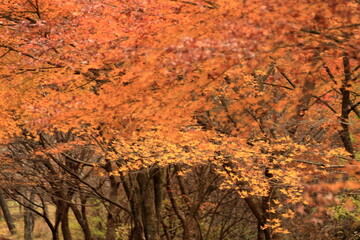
{"points": [[29, 55], [319, 164], [356, 77], [223, 103], [355, 69], [320, 34], [68, 170], [329, 73], [256, 120], [27, 199], [353, 108], [36, 7], [286, 77], [262, 79], [24, 205], [346, 26], [275, 85], [325, 103], [211, 5], [77, 160], [5, 53]]}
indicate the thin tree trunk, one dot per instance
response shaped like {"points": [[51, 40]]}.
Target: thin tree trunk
{"points": [[258, 211], [53, 227], [345, 106], [113, 211], [6, 212], [158, 176], [55, 234], [65, 222], [29, 221], [82, 220], [178, 212], [132, 190]]}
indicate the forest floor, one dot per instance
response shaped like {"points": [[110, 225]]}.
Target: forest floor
{"points": [[41, 230]]}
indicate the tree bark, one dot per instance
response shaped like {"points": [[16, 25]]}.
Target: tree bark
{"points": [[144, 192], [29, 221], [6, 212], [159, 195], [113, 211], [65, 228], [179, 214], [258, 209], [82, 220], [148, 205], [132, 192], [345, 108]]}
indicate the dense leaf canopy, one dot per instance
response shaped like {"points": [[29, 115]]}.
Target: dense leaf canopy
{"points": [[267, 92]]}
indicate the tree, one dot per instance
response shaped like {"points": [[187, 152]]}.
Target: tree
{"points": [[265, 92]]}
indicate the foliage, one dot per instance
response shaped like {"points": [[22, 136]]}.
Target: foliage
{"points": [[264, 93], [348, 208]]}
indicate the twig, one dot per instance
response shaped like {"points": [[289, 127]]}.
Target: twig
{"points": [[275, 85], [286, 77], [329, 73], [325, 103], [319, 164]]}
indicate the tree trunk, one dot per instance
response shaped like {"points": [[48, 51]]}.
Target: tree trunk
{"points": [[6, 212], [132, 190], [148, 205], [178, 212], [113, 211], [257, 208], [144, 191], [55, 234], [53, 227], [65, 222], [345, 106], [82, 220], [159, 184], [29, 221]]}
